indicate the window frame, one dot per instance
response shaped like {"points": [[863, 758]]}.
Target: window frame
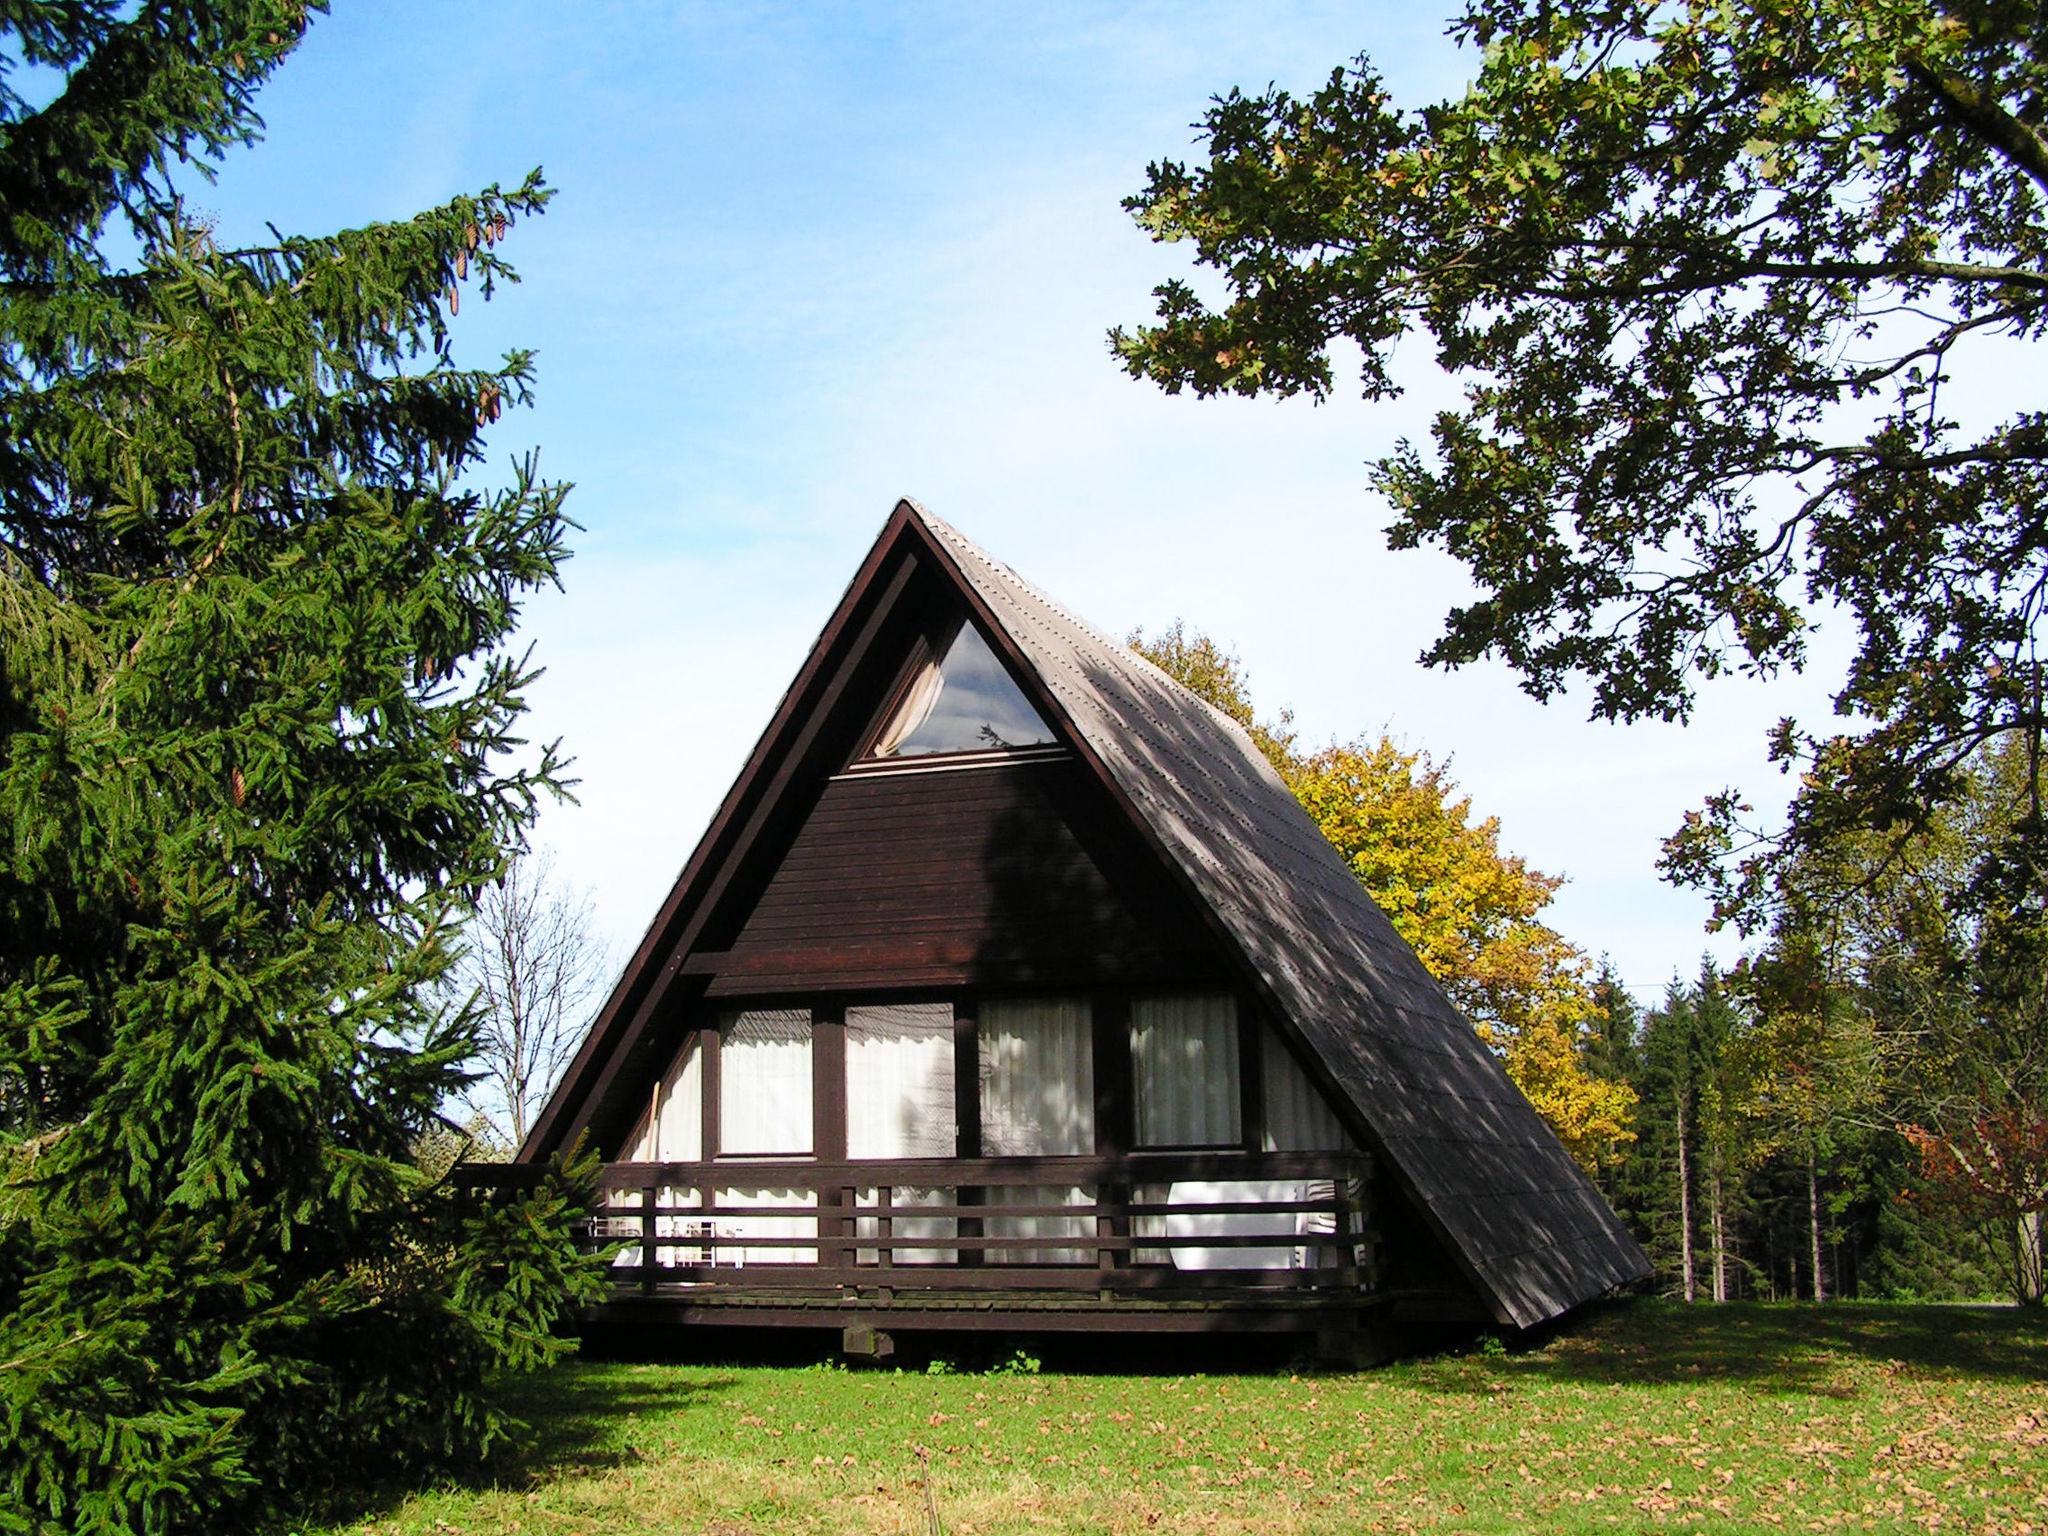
{"points": [[929, 648]]}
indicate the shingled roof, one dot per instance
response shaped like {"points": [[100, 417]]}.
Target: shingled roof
{"points": [[1487, 1174]]}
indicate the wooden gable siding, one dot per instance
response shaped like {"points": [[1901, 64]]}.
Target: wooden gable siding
{"points": [[987, 876]]}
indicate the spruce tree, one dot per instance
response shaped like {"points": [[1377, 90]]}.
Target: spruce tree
{"points": [[257, 752]]}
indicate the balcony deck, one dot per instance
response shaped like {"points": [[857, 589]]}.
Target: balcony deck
{"points": [[1165, 1241]]}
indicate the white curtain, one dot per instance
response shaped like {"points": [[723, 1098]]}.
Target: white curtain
{"points": [[1298, 1117], [723, 1226], [1038, 1100], [915, 709], [903, 1223], [1184, 1071], [1037, 1078], [899, 1081], [671, 1128], [764, 1106], [764, 1082], [899, 1103], [1187, 1086]]}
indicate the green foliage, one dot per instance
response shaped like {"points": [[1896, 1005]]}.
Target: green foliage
{"points": [[1704, 270], [257, 748]]}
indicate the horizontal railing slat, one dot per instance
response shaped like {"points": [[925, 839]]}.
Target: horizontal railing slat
{"points": [[945, 1173], [1076, 1241]]}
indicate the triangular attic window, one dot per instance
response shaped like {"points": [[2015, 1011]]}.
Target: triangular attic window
{"points": [[964, 702]]}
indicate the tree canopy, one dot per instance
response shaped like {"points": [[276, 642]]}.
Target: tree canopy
{"points": [[1716, 279], [257, 751], [1467, 907]]}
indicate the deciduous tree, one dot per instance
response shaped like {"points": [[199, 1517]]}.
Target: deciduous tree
{"points": [[531, 961], [1715, 278], [1943, 963]]}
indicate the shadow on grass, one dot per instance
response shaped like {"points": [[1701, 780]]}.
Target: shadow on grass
{"points": [[1813, 1350], [574, 1417], [1136, 1353]]}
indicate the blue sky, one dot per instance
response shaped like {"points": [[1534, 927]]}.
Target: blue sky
{"points": [[805, 260]]}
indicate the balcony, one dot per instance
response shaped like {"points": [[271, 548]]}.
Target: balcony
{"points": [[1171, 1240]]}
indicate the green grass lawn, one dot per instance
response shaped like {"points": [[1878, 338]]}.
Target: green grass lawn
{"points": [[1645, 1415]]}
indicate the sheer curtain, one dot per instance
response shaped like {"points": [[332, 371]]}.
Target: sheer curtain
{"points": [[1184, 1071], [1186, 1084], [899, 1103], [899, 1081], [1298, 1117], [670, 1130], [1037, 1100], [764, 1107], [915, 709], [764, 1082]]}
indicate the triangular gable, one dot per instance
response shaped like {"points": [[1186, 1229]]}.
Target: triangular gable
{"points": [[1486, 1173], [905, 602]]}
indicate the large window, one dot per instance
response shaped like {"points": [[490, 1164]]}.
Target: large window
{"points": [[899, 1103], [1298, 1117], [1184, 1071], [764, 1082], [1037, 1078], [671, 1128], [899, 1081], [1037, 1100]]}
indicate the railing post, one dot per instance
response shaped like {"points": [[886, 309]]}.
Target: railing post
{"points": [[648, 1242], [970, 1226], [846, 1199], [707, 1202], [1340, 1227], [1112, 1219]]}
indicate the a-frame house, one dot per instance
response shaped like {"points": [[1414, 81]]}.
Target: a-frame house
{"points": [[1010, 988]]}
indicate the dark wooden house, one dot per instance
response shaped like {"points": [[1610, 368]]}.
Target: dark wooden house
{"points": [[1010, 988]]}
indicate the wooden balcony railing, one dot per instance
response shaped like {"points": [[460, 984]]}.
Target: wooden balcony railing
{"points": [[1157, 1221]]}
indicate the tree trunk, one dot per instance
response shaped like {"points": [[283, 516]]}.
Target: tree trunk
{"points": [[1820, 1290], [1685, 1208], [2028, 1257], [1720, 1237]]}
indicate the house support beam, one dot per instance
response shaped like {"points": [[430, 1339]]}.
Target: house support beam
{"points": [[864, 1341]]}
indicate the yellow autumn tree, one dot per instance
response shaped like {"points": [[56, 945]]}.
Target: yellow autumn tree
{"points": [[1468, 908]]}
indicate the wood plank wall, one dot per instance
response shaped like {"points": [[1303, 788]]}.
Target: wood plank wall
{"points": [[982, 876]]}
